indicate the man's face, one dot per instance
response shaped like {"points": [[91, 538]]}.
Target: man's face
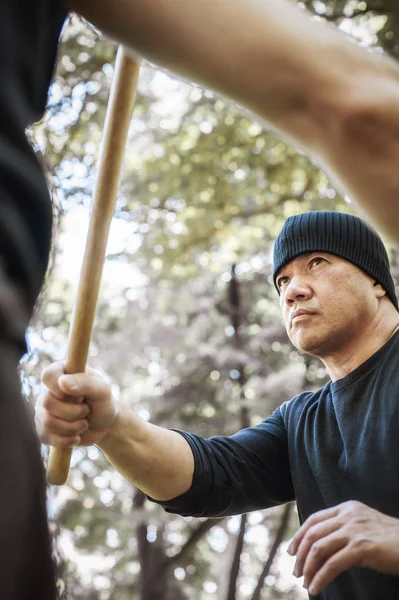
{"points": [[326, 301]]}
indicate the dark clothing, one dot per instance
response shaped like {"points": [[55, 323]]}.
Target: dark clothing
{"points": [[321, 449], [26, 566], [29, 33]]}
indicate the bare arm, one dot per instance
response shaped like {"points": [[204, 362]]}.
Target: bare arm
{"points": [[156, 460], [261, 53], [235, 474], [304, 78]]}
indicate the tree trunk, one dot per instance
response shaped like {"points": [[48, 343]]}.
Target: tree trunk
{"points": [[235, 310], [235, 565], [153, 575], [282, 528]]}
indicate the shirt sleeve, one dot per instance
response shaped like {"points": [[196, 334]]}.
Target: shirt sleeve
{"points": [[233, 475]]}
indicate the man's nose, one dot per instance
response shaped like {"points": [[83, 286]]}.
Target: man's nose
{"points": [[297, 289]]}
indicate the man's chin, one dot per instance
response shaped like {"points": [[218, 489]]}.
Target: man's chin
{"points": [[308, 344]]}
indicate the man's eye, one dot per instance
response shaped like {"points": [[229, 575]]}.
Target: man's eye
{"points": [[282, 282], [316, 261]]}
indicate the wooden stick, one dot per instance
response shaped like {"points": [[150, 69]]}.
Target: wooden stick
{"points": [[115, 134]]}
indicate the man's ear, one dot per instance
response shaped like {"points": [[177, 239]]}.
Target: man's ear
{"points": [[380, 291]]}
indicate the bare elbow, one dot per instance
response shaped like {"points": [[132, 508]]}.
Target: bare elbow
{"points": [[368, 116]]}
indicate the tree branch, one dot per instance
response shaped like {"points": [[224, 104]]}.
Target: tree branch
{"points": [[197, 533]]}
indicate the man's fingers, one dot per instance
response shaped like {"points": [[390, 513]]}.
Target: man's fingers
{"points": [[59, 427], [74, 408], [57, 441], [81, 384], [320, 552], [318, 517], [67, 411], [84, 385], [338, 563], [51, 375], [314, 534]]}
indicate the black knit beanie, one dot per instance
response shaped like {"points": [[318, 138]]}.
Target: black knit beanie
{"points": [[339, 234]]}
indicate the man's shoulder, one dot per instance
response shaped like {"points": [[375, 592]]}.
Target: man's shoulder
{"points": [[302, 402]]}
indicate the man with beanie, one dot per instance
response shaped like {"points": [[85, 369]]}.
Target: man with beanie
{"points": [[333, 451]]}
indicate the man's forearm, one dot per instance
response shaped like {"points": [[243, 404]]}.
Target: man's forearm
{"points": [[261, 53], [304, 78], [156, 460]]}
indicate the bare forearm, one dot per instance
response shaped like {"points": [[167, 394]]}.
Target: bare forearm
{"points": [[261, 53], [363, 159], [156, 460], [304, 78]]}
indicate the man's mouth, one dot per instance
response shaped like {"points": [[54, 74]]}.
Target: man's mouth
{"points": [[301, 314]]}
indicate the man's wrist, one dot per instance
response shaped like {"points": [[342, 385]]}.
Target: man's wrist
{"points": [[126, 428], [114, 432]]}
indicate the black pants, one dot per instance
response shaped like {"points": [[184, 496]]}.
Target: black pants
{"points": [[26, 567]]}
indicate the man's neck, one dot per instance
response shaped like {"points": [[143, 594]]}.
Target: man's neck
{"points": [[343, 362]]}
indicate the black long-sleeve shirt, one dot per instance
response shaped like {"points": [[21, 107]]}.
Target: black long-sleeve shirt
{"points": [[29, 33], [320, 449]]}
